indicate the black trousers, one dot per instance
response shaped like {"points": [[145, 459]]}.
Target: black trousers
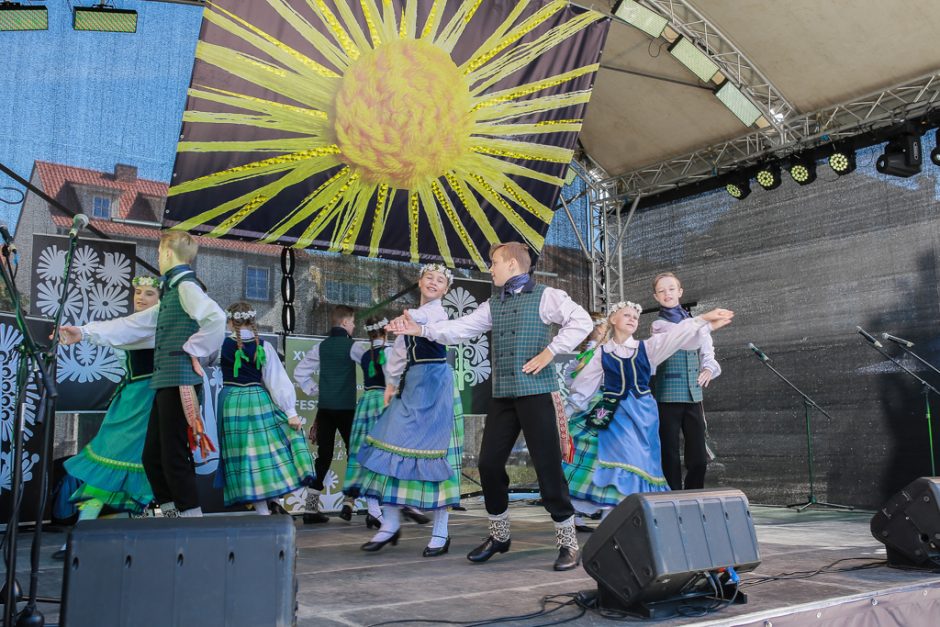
{"points": [[167, 459], [535, 417], [329, 421], [689, 420]]}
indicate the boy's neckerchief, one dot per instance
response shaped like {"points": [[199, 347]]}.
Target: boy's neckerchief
{"points": [[674, 314], [512, 284]]}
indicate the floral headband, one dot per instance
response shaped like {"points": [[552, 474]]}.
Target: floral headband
{"points": [[436, 267], [146, 281], [381, 324], [600, 321], [241, 316], [623, 304]]}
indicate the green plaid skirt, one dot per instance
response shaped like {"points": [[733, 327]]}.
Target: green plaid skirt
{"points": [[368, 410], [261, 456], [421, 494], [580, 472]]}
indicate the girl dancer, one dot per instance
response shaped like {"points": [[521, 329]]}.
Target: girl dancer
{"points": [[263, 452], [616, 436], [411, 457]]}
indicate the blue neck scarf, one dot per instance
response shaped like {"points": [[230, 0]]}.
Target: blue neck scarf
{"points": [[513, 284], [674, 314], [172, 273]]}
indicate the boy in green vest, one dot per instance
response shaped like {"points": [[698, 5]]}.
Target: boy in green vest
{"points": [[677, 386], [336, 404], [520, 315]]}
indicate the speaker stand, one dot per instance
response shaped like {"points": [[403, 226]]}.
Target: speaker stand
{"points": [[705, 602]]}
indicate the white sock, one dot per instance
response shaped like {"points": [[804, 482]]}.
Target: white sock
{"points": [[262, 508], [193, 512], [391, 523], [372, 504], [578, 521], [168, 510], [63, 547], [439, 533], [585, 507]]}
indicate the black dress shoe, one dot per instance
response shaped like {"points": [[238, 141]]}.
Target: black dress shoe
{"points": [[346, 512], [490, 547], [315, 518], [583, 529], [415, 516], [434, 552], [567, 558], [372, 522], [373, 546], [277, 508]]}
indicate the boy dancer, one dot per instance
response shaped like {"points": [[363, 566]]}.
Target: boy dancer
{"points": [[185, 327], [520, 314], [677, 386]]}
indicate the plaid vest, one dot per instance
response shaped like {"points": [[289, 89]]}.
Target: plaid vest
{"points": [[519, 335], [676, 379], [337, 372], [172, 367]]}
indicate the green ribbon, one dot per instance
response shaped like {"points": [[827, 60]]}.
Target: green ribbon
{"points": [[381, 361], [583, 358], [240, 356]]}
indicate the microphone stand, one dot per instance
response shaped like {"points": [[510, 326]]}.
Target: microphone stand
{"points": [[925, 389], [808, 404]]}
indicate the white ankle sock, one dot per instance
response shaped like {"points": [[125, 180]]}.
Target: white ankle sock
{"points": [[168, 510], [578, 520], [262, 508], [439, 533], [372, 504], [391, 523], [193, 512]]}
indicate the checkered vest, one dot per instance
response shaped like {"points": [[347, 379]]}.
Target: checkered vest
{"points": [[172, 367], [676, 379], [519, 335], [337, 372]]}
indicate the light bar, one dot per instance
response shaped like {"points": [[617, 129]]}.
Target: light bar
{"points": [[689, 55], [104, 19], [15, 16], [636, 16], [737, 102]]}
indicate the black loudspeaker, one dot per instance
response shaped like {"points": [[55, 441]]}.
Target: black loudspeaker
{"points": [[909, 525], [227, 571], [668, 546]]}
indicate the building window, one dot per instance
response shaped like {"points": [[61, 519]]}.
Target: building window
{"points": [[101, 207], [257, 283], [353, 294]]}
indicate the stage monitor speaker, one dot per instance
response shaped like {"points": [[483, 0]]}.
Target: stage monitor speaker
{"points": [[659, 546], [909, 525], [227, 571]]}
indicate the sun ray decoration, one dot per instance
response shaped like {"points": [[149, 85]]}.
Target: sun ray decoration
{"points": [[421, 130]]}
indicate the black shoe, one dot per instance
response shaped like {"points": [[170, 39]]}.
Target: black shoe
{"points": [[434, 552], [583, 529], [372, 522], [277, 509], [346, 512], [567, 558], [373, 546], [59, 555], [315, 518], [488, 549], [415, 516]]}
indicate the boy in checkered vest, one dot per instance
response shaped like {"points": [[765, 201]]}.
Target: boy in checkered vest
{"points": [[520, 315], [677, 386]]}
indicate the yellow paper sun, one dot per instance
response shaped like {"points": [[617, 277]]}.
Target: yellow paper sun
{"points": [[387, 114]]}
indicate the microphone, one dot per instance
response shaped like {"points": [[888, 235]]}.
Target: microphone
{"points": [[760, 354], [7, 238], [897, 340], [79, 222], [865, 334]]}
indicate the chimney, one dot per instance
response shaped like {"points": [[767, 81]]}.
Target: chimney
{"points": [[125, 173]]}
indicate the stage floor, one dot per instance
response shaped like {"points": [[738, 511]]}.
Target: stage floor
{"points": [[341, 585]]}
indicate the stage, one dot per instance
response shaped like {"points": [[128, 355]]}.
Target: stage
{"points": [[341, 585]]}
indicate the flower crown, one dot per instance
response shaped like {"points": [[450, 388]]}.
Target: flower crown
{"points": [[381, 324], [146, 281], [600, 321], [623, 304], [437, 267], [241, 316]]}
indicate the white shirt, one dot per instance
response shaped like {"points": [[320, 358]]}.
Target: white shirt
{"points": [[706, 348], [686, 335], [275, 377], [397, 358], [138, 330], [555, 307], [310, 365]]}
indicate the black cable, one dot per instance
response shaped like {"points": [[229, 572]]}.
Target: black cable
{"points": [[543, 611], [806, 574]]}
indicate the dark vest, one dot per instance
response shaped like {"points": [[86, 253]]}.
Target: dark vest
{"points": [[172, 367], [519, 335], [422, 351], [139, 363], [248, 373], [623, 376], [337, 372], [378, 381]]}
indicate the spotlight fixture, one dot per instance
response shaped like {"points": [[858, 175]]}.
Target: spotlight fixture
{"points": [[935, 153], [902, 156], [739, 188], [16, 16], [768, 176], [803, 170], [842, 160], [102, 18]]}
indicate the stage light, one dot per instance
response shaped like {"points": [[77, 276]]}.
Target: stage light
{"points": [[15, 16], [739, 188], [902, 156], [636, 16], [768, 176], [842, 161], [737, 102], [101, 18], [803, 171], [935, 153], [689, 55]]}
